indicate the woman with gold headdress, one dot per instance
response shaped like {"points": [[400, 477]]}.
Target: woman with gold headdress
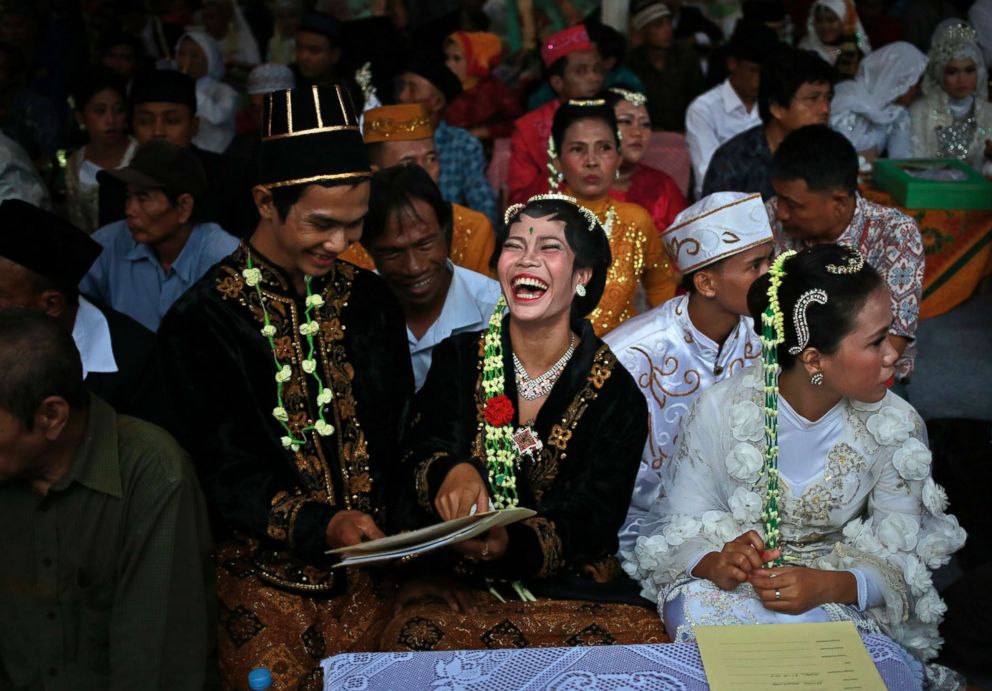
{"points": [[584, 152], [954, 117], [801, 491], [534, 412], [635, 182]]}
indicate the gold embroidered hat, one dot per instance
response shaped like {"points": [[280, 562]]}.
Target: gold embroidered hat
{"points": [[716, 227], [400, 123], [310, 134]]}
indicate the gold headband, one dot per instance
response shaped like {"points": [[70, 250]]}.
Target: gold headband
{"points": [[634, 98], [552, 196]]}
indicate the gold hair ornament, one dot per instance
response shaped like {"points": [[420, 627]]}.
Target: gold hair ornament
{"points": [[855, 262], [553, 196], [634, 98]]}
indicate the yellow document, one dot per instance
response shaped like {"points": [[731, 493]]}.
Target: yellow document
{"points": [[787, 656]]}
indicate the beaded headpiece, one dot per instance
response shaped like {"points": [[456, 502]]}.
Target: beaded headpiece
{"points": [[552, 196], [634, 98], [855, 262], [586, 102]]}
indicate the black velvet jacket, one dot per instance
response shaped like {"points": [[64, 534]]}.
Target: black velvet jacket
{"points": [[222, 374], [593, 427]]}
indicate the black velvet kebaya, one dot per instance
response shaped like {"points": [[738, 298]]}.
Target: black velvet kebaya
{"points": [[222, 373], [592, 426]]}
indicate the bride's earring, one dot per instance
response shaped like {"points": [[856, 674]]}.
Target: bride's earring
{"points": [[816, 379], [580, 290]]}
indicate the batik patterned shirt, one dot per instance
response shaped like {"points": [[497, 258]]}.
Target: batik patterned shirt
{"points": [[890, 241]]}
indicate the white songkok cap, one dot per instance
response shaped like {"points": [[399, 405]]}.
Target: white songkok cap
{"points": [[270, 77], [716, 227]]}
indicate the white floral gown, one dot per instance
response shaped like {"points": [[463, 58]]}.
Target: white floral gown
{"points": [[856, 495]]}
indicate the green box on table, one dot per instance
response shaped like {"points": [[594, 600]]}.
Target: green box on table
{"points": [[932, 183]]}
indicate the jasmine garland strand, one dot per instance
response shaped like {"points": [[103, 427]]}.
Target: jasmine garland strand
{"points": [[772, 334], [308, 329], [499, 446]]}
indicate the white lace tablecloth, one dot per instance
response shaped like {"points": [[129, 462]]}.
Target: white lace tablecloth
{"points": [[669, 667]]}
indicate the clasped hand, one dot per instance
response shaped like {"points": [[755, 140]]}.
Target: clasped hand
{"points": [[462, 488], [787, 589]]}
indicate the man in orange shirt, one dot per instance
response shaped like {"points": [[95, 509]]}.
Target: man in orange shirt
{"points": [[402, 135]]}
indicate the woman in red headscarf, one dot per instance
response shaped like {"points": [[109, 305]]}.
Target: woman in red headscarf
{"points": [[486, 106]]}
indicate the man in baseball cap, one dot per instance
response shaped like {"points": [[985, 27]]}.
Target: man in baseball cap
{"points": [[160, 248]]}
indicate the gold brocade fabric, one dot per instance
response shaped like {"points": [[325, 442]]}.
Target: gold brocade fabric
{"points": [[472, 243], [638, 256], [431, 625], [289, 634]]}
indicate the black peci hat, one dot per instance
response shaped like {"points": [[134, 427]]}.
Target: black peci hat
{"points": [[166, 86], [310, 134], [45, 244]]}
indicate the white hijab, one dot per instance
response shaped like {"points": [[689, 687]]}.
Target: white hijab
{"points": [[811, 41], [882, 77]]}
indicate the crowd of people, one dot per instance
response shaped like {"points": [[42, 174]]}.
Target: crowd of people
{"points": [[260, 299]]}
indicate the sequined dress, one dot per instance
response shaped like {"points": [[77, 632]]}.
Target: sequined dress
{"points": [[638, 257]]}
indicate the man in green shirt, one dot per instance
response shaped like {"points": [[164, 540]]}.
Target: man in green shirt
{"points": [[104, 535]]}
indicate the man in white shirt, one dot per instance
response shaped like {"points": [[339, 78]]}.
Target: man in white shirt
{"points": [[720, 244], [730, 107], [407, 232]]}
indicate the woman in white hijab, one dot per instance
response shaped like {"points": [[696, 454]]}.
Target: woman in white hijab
{"points": [[954, 117], [871, 110], [199, 56], [834, 32]]}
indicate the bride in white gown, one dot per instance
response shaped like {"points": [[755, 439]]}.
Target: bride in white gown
{"points": [[859, 524]]}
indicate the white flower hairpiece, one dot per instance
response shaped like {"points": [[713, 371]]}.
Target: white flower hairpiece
{"points": [[634, 98]]}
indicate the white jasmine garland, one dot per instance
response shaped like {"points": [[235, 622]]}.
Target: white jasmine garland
{"points": [[912, 459], [890, 425], [252, 276], [284, 372]]}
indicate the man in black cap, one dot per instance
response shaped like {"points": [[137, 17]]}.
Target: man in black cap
{"points": [[163, 107], [729, 108], [291, 370], [426, 79], [42, 259], [161, 248]]}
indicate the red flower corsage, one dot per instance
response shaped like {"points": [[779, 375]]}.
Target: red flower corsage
{"points": [[498, 411]]}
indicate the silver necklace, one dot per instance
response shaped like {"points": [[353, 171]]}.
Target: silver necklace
{"points": [[532, 388]]}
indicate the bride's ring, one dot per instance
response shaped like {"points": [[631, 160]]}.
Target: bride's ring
{"points": [[778, 594]]}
